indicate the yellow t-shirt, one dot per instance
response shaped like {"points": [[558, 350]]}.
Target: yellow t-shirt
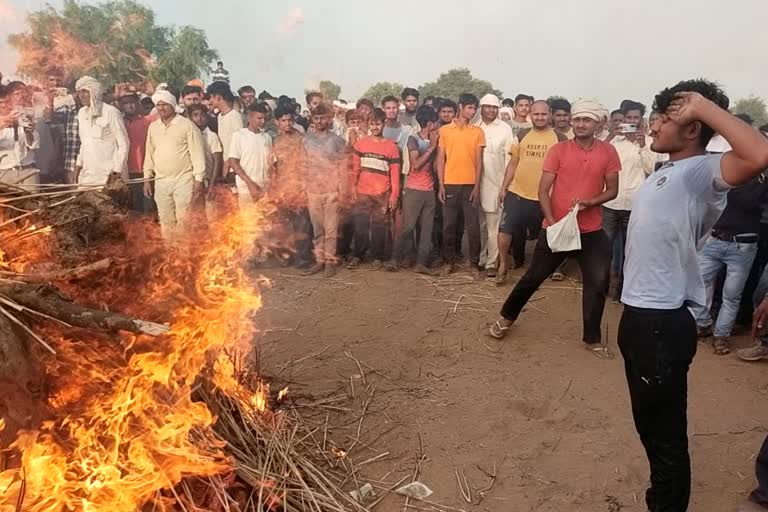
{"points": [[530, 152], [461, 145]]}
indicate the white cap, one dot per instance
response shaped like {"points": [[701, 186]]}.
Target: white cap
{"points": [[490, 100]]}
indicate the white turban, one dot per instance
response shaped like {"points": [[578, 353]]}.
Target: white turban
{"points": [[507, 110], [592, 109], [164, 97], [94, 87]]}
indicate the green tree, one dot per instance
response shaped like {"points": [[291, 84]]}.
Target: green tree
{"points": [[754, 107], [556, 97], [454, 82], [329, 90], [117, 41], [378, 91], [188, 57]]}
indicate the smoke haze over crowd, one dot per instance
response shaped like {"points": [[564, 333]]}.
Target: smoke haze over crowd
{"points": [[601, 48]]}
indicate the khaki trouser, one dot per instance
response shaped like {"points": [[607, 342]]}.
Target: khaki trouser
{"points": [[489, 247], [173, 197], [324, 214]]}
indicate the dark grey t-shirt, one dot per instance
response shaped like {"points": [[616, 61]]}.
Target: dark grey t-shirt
{"points": [[672, 215]]}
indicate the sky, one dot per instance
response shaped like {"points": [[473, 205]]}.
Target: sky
{"points": [[604, 49]]}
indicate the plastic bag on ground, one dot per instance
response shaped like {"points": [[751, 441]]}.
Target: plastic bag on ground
{"points": [[564, 236]]}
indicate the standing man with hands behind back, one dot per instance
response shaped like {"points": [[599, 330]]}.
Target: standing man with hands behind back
{"points": [[459, 170]]}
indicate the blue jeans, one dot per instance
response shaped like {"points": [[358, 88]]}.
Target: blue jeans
{"points": [[737, 259]]}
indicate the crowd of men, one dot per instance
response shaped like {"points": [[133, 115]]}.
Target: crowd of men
{"points": [[671, 204]]}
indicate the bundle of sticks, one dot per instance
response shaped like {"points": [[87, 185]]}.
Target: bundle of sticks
{"points": [[277, 461]]}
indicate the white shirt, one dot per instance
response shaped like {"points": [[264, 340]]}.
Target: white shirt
{"points": [[718, 144], [498, 141], [17, 153], [229, 123], [211, 145], [636, 164], [103, 144], [253, 150], [672, 216]]}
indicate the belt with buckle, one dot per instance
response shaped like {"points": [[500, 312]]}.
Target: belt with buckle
{"points": [[750, 238]]}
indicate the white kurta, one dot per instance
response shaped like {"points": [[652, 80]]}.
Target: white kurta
{"points": [[498, 141], [103, 145]]}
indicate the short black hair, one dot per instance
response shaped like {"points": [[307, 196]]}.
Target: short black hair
{"points": [[507, 102], [264, 95], [425, 115], [219, 63], [629, 105], [191, 89], [447, 103], [195, 108], [617, 111], [746, 118], [284, 110], [321, 110], [521, 97], [468, 98], [221, 89], [366, 102], [709, 90], [257, 107], [378, 115], [13, 86], [147, 101], [560, 104], [409, 91], [388, 99], [244, 89], [313, 94], [427, 99]]}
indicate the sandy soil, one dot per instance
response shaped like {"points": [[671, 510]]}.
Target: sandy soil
{"points": [[553, 419]]}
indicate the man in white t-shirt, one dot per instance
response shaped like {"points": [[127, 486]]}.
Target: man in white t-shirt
{"points": [[230, 121], [198, 114], [673, 213], [249, 155]]}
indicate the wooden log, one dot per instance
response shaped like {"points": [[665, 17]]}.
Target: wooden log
{"points": [[60, 275], [48, 300]]}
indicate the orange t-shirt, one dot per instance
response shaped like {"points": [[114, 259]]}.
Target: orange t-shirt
{"points": [[461, 145]]}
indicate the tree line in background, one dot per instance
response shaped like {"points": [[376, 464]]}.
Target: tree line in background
{"points": [[120, 41]]}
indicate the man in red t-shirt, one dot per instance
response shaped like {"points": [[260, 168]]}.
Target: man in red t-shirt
{"points": [[419, 200], [376, 188], [137, 126], [583, 173]]}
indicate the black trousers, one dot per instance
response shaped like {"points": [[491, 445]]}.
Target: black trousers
{"points": [[520, 217], [418, 209], [658, 347], [299, 227], [760, 495], [371, 225], [594, 260], [456, 200]]}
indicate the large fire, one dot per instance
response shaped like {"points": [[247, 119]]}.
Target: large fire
{"points": [[126, 427]]}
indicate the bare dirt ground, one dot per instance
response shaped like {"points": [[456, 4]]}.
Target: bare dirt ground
{"points": [[553, 419]]}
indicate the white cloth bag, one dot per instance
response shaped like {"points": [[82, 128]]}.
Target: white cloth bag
{"points": [[564, 236]]}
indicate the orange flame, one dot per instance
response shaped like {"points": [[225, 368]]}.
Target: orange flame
{"points": [[126, 425]]}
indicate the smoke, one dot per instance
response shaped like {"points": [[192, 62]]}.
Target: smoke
{"points": [[290, 24], [7, 11]]}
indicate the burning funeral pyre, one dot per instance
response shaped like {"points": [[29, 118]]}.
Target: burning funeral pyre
{"points": [[124, 381]]}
